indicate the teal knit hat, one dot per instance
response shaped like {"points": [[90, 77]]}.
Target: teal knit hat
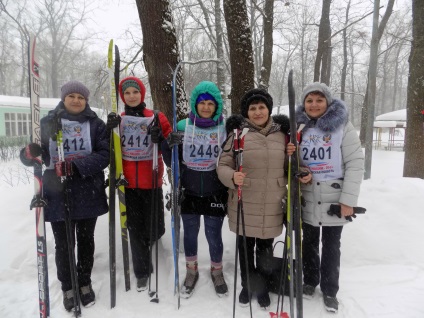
{"points": [[130, 83]]}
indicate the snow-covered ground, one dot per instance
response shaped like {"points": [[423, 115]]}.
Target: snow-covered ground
{"points": [[382, 271]]}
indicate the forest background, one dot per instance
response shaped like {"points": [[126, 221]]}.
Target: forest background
{"points": [[363, 49]]}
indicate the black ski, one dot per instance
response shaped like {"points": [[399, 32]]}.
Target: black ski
{"points": [[295, 207], [70, 232], [37, 201]]}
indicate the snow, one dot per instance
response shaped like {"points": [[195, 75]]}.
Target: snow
{"points": [[382, 264], [397, 115]]}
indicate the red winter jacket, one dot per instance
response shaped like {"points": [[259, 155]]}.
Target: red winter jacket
{"points": [[139, 173]]}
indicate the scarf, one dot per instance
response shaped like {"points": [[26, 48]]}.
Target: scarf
{"points": [[204, 122]]}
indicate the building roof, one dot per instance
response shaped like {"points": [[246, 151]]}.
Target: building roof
{"points": [[397, 115], [18, 101]]}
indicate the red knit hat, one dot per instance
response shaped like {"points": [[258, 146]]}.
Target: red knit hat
{"points": [[132, 81]]}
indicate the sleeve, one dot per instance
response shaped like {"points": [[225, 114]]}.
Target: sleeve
{"points": [[353, 161], [98, 160], [165, 125], [226, 165]]}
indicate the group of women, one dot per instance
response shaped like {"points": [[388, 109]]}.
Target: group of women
{"points": [[210, 177]]}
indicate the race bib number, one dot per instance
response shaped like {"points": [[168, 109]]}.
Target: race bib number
{"points": [[201, 147], [76, 141], [135, 140], [321, 152]]}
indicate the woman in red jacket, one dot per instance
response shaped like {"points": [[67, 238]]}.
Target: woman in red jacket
{"points": [[139, 129]]}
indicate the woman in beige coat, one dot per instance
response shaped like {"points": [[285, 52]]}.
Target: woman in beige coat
{"points": [[263, 182]]}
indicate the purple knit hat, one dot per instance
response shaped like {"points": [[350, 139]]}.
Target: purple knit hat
{"points": [[74, 87]]}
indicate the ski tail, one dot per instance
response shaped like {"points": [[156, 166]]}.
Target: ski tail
{"points": [[38, 202]]}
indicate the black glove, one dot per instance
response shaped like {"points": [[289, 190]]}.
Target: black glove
{"points": [[335, 209], [65, 168], [174, 138], [113, 121], [32, 151], [156, 134]]}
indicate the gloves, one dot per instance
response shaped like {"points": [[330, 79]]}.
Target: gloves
{"points": [[113, 121], [156, 134], [65, 168], [32, 151], [335, 209], [174, 138]]}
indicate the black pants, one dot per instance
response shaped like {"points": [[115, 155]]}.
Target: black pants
{"points": [[259, 274], [139, 213], [327, 270], [84, 230]]}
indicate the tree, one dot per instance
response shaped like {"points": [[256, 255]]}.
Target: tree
{"points": [[241, 53], [268, 19], [161, 55], [323, 59], [414, 147], [366, 108]]}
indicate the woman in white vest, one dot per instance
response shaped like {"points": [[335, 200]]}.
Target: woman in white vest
{"points": [[331, 149]]}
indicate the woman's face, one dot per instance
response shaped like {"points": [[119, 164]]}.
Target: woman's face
{"points": [[315, 105], [74, 103], [132, 96], [258, 113], [206, 108]]}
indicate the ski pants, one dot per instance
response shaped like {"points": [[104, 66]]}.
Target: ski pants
{"points": [[213, 232], [139, 214], [84, 230], [259, 274], [324, 272]]}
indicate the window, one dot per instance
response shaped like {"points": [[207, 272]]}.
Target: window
{"points": [[17, 124]]}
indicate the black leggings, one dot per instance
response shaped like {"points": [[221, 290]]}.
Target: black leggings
{"points": [[84, 230], [259, 273], [324, 271]]}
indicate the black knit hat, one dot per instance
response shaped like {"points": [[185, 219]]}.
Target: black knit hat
{"points": [[254, 95]]}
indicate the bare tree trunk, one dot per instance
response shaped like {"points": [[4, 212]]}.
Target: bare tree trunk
{"points": [[220, 72], [395, 78], [364, 115], [414, 160], [268, 21], [324, 34], [345, 58], [372, 77], [154, 16], [241, 53]]}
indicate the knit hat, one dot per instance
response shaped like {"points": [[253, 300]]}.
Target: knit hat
{"points": [[205, 96], [318, 87], [74, 87], [254, 95], [132, 81]]}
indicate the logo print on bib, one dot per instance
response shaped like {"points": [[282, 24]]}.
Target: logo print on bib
{"points": [[214, 136], [77, 129]]}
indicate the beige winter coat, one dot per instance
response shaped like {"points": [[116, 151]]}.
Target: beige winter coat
{"points": [[264, 186]]}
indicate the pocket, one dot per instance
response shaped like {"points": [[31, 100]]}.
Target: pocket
{"points": [[247, 182]]}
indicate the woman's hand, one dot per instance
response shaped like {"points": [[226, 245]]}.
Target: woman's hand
{"points": [[346, 210], [238, 178], [290, 149], [306, 179]]}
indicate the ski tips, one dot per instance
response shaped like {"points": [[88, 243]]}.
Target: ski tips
{"points": [[279, 315]]}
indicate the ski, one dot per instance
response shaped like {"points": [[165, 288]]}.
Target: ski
{"points": [[175, 186], [121, 182], [296, 285], [37, 201], [70, 233]]}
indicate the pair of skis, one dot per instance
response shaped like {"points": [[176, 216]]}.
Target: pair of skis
{"points": [[294, 223], [117, 182]]}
